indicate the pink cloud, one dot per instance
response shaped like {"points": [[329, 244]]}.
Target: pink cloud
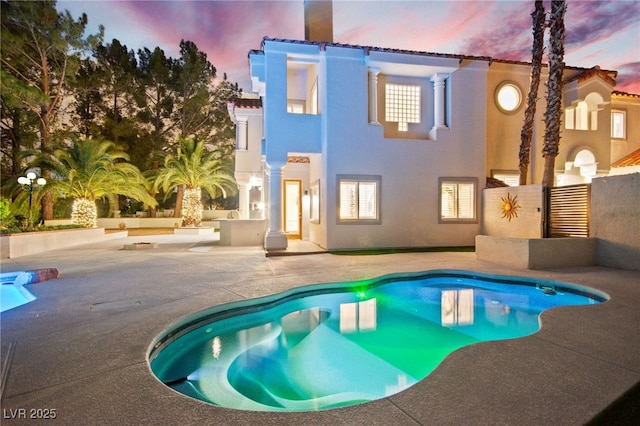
{"points": [[629, 78]]}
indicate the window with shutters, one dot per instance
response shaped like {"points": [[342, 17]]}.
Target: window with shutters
{"points": [[458, 200], [358, 199]]}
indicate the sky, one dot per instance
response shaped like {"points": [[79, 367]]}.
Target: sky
{"points": [[604, 33]]}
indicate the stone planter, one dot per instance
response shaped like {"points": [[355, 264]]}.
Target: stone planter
{"points": [[27, 243]]}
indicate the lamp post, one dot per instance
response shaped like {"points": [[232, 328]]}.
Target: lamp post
{"points": [[30, 181]]}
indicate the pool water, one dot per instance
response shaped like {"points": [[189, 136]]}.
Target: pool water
{"points": [[336, 345], [12, 290], [12, 296]]}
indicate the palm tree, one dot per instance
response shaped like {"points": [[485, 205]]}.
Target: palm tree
{"points": [[197, 170], [536, 65], [553, 113], [93, 169]]}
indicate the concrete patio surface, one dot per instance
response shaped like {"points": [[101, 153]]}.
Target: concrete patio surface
{"points": [[81, 348]]}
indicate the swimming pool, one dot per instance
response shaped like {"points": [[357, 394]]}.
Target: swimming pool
{"points": [[12, 291], [327, 346]]}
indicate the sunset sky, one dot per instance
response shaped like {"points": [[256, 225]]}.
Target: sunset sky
{"points": [[604, 33]]}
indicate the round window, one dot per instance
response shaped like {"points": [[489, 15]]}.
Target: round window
{"points": [[509, 97]]}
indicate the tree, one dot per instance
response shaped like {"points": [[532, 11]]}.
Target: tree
{"points": [[197, 170], [87, 104], [155, 94], [223, 130], [193, 75], [526, 134], [91, 170], [553, 113], [117, 67], [41, 51]]}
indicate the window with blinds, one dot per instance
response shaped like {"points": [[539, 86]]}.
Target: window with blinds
{"points": [[458, 199], [358, 198]]}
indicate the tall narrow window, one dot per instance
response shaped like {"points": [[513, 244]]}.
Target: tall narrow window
{"points": [[314, 194], [358, 199], [402, 105], [618, 121], [458, 199]]}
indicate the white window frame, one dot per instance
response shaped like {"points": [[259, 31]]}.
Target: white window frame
{"points": [[623, 128], [357, 217], [457, 183]]}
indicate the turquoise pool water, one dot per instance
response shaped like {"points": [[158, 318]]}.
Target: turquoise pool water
{"points": [[322, 347], [12, 290]]}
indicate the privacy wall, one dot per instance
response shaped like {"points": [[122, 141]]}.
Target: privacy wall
{"points": [[525, 211], [615, 220]]}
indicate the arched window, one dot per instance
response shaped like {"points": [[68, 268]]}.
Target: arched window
{"points": [[586, 161]]}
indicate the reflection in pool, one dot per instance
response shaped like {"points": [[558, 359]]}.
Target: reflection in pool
{"points": [[322, 347]]}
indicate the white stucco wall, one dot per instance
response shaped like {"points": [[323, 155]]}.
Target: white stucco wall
{"points": [[615, 220], [622, 147], [409, 168], [528, 223]]}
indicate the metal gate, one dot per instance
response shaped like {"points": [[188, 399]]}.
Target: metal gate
{"points": [[568, 211]]}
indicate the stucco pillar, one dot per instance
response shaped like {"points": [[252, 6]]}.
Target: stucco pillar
{"points": [[243, 199], [373, 95], [275, 238], [241, 133], [438, 101]]}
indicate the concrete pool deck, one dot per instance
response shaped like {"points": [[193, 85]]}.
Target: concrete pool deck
{"points": [[81, 348]]}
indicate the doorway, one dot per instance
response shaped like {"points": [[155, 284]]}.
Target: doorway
{"points": [[293, 208]]}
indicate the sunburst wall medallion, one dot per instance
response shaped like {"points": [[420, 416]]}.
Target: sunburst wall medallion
{"points": [[510, 207]]}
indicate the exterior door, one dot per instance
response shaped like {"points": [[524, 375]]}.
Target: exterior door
{"points": [[293, 208]]}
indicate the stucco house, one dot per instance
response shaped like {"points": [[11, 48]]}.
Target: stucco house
{"points": [[357, 147]]}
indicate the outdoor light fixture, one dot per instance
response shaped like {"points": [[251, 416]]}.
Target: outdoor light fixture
{"points": [[30, 182]]}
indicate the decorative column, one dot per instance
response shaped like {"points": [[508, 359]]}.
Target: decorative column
{"points": [[438, 101], [241, 133], [243, 198], [373, 95], [275, 238]]}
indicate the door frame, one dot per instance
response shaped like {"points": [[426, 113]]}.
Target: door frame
{"points": [[291, 235]]}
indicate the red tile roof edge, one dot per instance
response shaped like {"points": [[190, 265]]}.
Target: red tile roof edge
{"points": [[625, 94], [367, 49], [252, 103], [632, 159], [594, 72]]}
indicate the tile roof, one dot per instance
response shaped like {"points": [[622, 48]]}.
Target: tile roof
{"points": [[367, 49], [298, 159], [625, 94], [632, 159], [495, 183], [608, 76], [250, 103]]}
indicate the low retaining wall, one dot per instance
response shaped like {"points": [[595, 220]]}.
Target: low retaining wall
{"points": [[537, 253], [17, 245], [242, 232]]}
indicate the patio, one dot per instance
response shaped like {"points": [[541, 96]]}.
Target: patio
{"points": [[80, 348]]}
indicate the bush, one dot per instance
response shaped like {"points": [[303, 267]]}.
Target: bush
{"points": [[5, 211], [14, 229]]}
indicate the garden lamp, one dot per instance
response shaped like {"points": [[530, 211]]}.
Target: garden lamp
{"points": [[30, 181]]}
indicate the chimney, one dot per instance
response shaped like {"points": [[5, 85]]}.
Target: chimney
{"points": [[318, 20]]}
